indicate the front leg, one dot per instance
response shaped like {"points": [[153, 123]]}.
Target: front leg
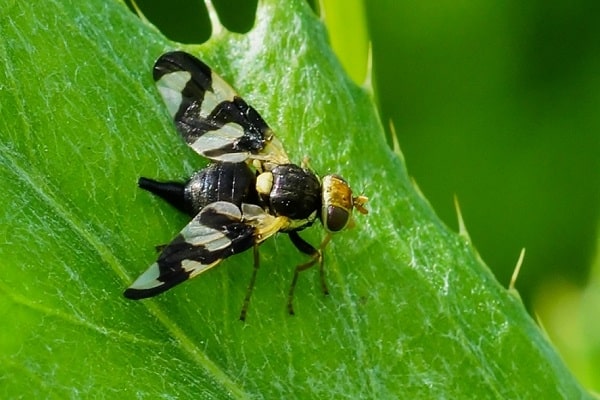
{"points": [[316, 255]]}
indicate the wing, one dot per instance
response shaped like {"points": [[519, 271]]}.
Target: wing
{"points": [[210, 115], [220, 230]]}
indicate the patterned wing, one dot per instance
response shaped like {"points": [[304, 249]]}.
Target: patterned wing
{"points": [[220, 230], [210, 115]]}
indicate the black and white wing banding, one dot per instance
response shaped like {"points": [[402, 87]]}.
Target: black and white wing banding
{"points": [[212, 118], [219, 231], [250, 192]]}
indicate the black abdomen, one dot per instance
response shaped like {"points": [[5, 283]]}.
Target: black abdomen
{"points": [[231, 182]]}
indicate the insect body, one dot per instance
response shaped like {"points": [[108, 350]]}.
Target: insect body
{"points": [[249, 193]]}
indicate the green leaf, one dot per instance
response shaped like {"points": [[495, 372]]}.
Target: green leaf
{"points": [[412, 313]]}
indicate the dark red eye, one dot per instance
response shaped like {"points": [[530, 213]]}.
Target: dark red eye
{"points": [[336, 218]]}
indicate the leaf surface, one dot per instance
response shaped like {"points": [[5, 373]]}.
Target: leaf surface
{"points": [[413, 312]]}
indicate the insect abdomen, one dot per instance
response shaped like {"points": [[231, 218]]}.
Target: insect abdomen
{"points": [[231, 182]]}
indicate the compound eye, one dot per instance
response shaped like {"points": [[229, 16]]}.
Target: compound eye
{"points": [[336, 218]]}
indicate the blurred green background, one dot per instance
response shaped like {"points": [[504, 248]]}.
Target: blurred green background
{"points": [[497, 103]]}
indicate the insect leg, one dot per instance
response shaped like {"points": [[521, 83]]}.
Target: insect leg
{"points": [[251, 284], [316, 255]]}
